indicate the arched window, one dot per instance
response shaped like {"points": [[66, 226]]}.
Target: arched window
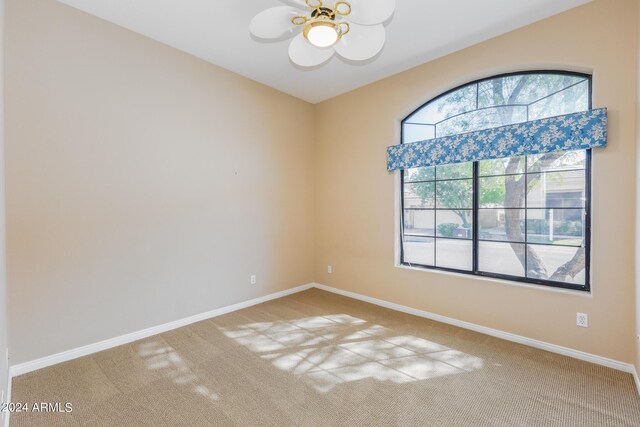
{"points": [[524, 218]]}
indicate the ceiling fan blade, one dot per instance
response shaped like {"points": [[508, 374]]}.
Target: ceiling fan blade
{"points": [[371, 12], [305, 54], [297, 3], [361, 42], [274, 23]]}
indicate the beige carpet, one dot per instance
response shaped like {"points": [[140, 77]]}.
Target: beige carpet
{"points": [[318, 359]]}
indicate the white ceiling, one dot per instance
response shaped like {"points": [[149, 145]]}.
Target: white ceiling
{"points": [[218, 31]]}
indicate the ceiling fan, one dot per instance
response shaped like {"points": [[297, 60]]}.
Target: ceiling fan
{"points": [[353, 29]]}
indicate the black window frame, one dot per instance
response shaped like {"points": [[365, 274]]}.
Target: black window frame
{"points": [[475, 209]]}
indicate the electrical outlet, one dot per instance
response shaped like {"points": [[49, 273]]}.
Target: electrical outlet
{"points": [[582, 320], [329, 269], [253, 279]]}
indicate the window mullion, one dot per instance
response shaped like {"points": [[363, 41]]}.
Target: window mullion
{"points": [[435, 216], [474, 213], [526, 215]]}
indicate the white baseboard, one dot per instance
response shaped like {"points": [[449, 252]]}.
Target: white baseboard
{"points": [[8, 399], [33, 365], [576, 354], [44, 362], [636, 379]]}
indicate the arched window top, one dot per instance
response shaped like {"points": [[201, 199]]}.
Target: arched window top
{"points": [[498, 101]]}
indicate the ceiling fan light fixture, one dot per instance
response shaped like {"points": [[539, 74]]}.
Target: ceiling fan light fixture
{"points": [[321, 29], [322, 33], [324, 23]]}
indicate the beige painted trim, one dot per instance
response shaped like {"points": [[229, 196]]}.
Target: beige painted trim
{"points": [[543, 288]]}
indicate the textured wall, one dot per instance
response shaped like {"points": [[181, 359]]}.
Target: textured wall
{"points": [[637, 247], [356, 220], [4, 367], [143, 185]]}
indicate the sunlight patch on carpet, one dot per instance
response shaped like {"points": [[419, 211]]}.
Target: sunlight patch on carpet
{"points": [[326, 351]]}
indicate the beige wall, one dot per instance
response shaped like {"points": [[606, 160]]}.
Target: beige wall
{"points": [[4, 367], [143, 185], [355, 195], [637, 247]]}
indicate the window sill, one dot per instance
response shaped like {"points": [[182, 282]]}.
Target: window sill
{"points": [[493, 280]]}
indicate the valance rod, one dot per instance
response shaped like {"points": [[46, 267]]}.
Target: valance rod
{"points": [[576, 131]]}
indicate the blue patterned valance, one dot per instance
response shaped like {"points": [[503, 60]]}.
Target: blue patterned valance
{"points": [[577, 131]]}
